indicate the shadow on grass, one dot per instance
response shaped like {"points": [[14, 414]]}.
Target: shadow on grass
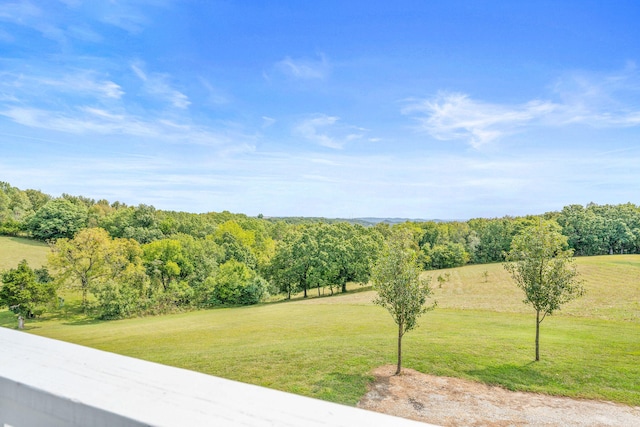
{"points": [[338, 387], [313, 294], [27, 241], [83, 321], [514, 377]]}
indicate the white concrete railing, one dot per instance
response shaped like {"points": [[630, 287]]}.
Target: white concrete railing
{"points": [[45, 382]]}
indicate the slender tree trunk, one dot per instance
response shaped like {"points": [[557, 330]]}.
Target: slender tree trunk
{"points": [[399, 350], [537, 335], [84, 283], [20, 322], [344, 287]]}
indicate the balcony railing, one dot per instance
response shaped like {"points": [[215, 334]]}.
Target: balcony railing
{"points": [[45, 382]]}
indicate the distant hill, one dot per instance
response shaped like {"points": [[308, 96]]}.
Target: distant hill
{"points": [[366, 221], [373, 220]]}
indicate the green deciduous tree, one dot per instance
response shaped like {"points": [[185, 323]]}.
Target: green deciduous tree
{"points": [[166, 261], [81, 261], [92, 260], [126, 290], [237, 284], [396, 278], [26, 292], [543, 268], [352, 251], [448, 255], [299, 263], [59, 218]]}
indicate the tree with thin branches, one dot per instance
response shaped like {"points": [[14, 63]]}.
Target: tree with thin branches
{"points": [[544, 269], [396, 278]]}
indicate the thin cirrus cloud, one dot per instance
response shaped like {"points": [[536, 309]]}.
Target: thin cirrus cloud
{"points": [[304, 69], [87, 102], [605, 100], [326, 130], [21, 13], [26, 14], [89, 120], [156, 84], [83, 83]]}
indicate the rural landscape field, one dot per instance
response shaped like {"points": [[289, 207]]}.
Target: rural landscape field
{"points": [[352, 201], [327, 347]]}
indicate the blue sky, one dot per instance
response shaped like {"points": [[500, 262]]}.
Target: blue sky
{"points": [[449, 110]]}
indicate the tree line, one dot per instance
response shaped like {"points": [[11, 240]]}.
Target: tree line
{"points": [[129, 260]]}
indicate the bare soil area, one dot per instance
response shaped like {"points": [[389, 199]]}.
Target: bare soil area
{"points": [[454, 402]]}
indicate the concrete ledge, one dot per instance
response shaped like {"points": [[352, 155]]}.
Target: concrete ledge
{"points": [[45, 382]]}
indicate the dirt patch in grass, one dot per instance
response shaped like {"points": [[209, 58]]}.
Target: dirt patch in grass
{"points": [[455, 402]]}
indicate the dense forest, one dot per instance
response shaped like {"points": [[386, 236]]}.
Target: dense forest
{"points": [[129, 260]]}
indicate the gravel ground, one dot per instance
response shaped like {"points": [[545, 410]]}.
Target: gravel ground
{"points": [[454, 402]]}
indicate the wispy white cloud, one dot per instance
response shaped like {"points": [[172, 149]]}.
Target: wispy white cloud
{"points": [[26, 14], [77, 83], [602, 100], [456, 116], [131, 16], [267, 121], [578, 98], [327, 131], [84, 33], [304, 69], [92, 121], [90, 103], [157, 85], [215, 96], [21, 12]]}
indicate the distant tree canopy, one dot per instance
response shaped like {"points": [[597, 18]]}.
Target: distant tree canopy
{"points": [[591, 230], [320, 255], [179, 256], [59, 218]]}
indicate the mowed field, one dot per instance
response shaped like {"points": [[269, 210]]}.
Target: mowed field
{"points": [[15, 249], [327, 347]]}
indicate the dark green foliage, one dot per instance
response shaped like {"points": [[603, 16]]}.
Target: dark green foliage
{"points": [[37, 198], [493, 239], [57, 219], [234, 249], [236, 284], [117, 300], [15, 207], [139, 223], [26, 293], [353, 250], [323, 255], [448, 255], [601, 229]]}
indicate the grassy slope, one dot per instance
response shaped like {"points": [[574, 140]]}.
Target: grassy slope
{"points": [[326, 347], [15, 249]]}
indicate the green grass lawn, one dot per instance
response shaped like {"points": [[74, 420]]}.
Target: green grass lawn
{"points": [[327, 347], [15, 249]]}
